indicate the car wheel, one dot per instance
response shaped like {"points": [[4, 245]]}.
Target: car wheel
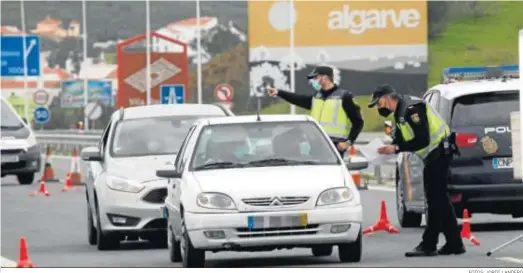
{"points": [[319, 251], [25, 178], [106, 241], [191, 257], [351, 252], [175, 254], [91, 230], [159, 239], [405, 218]]}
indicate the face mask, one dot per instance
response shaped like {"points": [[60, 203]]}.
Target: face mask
{"points": [[305, 148], [240, 152], [384, 112], [316, 85]]}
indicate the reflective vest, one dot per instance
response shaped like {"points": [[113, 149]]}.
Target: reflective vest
{"points": [[438, 128], [330, 115]]}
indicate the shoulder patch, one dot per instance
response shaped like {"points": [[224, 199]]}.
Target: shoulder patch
{"points": [[415, 118]]}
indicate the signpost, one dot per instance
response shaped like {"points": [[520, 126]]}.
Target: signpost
{"points": [[41, 97], [172, 93], [224, 92], [13, 54], [41, 114], [72, 95]]}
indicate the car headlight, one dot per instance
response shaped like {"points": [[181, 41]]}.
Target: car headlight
{"points": [[120, 184], [334, 196], [213, 200]]}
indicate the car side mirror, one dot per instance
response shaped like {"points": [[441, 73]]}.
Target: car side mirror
{"points": [[168, 173], [387, 127], [357, 163], [91, 154]]}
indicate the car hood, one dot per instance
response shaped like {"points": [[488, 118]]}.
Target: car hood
{"points": [[140, 169], [271, 181]]}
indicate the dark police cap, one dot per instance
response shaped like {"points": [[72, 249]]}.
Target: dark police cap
{"points": [[381, 91], [321, 70]]}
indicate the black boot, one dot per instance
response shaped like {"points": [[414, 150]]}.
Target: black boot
{"points": [[448, 249], [421, 251]]}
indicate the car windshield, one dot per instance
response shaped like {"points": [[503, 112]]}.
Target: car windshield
{"points": [[150, 136], [261, 144], [9, 118], [470, 110]]}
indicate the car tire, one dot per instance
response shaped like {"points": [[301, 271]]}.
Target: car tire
{"points": [[351, 252], [91, 230], [106, 241], [191, 257], [405, 218], [159, 239], [25, 178], [321, 251], [175, 254]]}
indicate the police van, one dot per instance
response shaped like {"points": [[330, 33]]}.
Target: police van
{"points": [[20, 153], [476, 102]]}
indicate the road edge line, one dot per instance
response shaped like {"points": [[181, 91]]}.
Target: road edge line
{"points": [[511, 259], [381, 188], [4, 262]]}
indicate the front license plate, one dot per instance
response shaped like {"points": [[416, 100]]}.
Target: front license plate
{"points": [[502, 163], [299, 220], [10, 159]]}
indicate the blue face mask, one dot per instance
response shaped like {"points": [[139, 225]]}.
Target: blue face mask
{"points": [[316, 85], [305, 148], [240, 152]]}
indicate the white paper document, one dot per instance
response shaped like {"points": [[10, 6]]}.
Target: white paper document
{"points": [[370, 152]]}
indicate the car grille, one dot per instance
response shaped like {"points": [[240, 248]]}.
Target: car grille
{"points": [[12, 152], [284, 201], [273, 232], [156, 196]]}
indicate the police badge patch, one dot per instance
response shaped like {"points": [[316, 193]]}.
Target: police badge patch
{"points": [[490, 146], [415, 118]]}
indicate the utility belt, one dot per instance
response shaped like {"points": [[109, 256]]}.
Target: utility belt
{"points": [[446, 147], [337, 140]]}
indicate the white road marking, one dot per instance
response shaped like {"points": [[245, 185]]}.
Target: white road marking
{"points": [[511, 259], [381, 188], [4, 262]]}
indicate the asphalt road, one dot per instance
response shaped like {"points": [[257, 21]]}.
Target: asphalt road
{"points": [[55, 228]]}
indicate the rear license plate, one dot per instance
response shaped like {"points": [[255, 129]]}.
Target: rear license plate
{"points": [[299, 220], [502, 163], [10, 159]]}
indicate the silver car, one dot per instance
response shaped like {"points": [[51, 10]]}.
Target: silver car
{"points": [[124, 195]]}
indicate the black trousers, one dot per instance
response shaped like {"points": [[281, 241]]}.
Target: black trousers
{"points": [[441, 215]]}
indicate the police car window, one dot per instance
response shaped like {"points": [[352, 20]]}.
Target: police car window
{"points": [[427, 97], [485, 109], [434, 99]]}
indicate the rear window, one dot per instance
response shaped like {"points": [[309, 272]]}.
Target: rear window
{"points": [[485, 109]]}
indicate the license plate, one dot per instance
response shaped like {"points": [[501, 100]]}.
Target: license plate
{"points": [[10, 158], [502, 163], [299, 220]]}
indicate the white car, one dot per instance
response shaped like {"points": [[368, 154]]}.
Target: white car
{"points": [[243, 184], [124, 196]]}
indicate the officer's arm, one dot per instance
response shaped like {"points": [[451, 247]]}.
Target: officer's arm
{"points": [[353, 112], [304, 101], [417, 119]]}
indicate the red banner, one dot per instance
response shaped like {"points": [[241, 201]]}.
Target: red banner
{"points": [[165, 68]]}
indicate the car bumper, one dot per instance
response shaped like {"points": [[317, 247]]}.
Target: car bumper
{"points": [[494, 198], [28, 162], [140, 216], [318, 230]]}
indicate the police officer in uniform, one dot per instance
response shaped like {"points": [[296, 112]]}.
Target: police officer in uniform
{"points": [[334, 108], [420, 129]]}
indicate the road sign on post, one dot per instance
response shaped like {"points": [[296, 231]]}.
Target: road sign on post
{"points": [[224, 92], [41, 97], [93, 111], [13, 54], [172, 93], [41, 114]]}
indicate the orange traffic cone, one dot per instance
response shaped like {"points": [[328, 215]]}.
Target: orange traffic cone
{"points": [[76, 177], [383, 224], [48, 168], [69, 184], [23, 259], [356, 176], [41, 190], [465, 229]]}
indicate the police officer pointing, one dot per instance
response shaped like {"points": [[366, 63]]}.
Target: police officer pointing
{"points": [[334, 108], [420, 129]]}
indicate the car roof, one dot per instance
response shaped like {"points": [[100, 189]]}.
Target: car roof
{"points": [[162, 110], [252, 119], [451, 91]]}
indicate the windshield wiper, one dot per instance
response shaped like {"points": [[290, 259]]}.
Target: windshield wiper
{"points": [[283, 161], [219, 165]]}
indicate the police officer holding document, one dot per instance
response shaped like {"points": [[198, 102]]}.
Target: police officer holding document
{"points": [[420, 130], [334, 108]]}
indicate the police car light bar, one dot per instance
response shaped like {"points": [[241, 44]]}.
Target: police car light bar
{"points": [[472, 73]]}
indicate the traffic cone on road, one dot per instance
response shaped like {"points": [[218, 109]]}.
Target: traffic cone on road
{"points": [[41, 190], [69, 184], [74, 170], [466, 233], [48, 168], [383, 224], [23, 259]]}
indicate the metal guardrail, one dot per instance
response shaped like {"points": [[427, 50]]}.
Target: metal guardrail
{"points": [[63, 142]]}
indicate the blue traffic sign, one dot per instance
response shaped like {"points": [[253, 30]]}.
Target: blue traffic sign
{"points": [[13, 54], [41, 114], [172, 93]]}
